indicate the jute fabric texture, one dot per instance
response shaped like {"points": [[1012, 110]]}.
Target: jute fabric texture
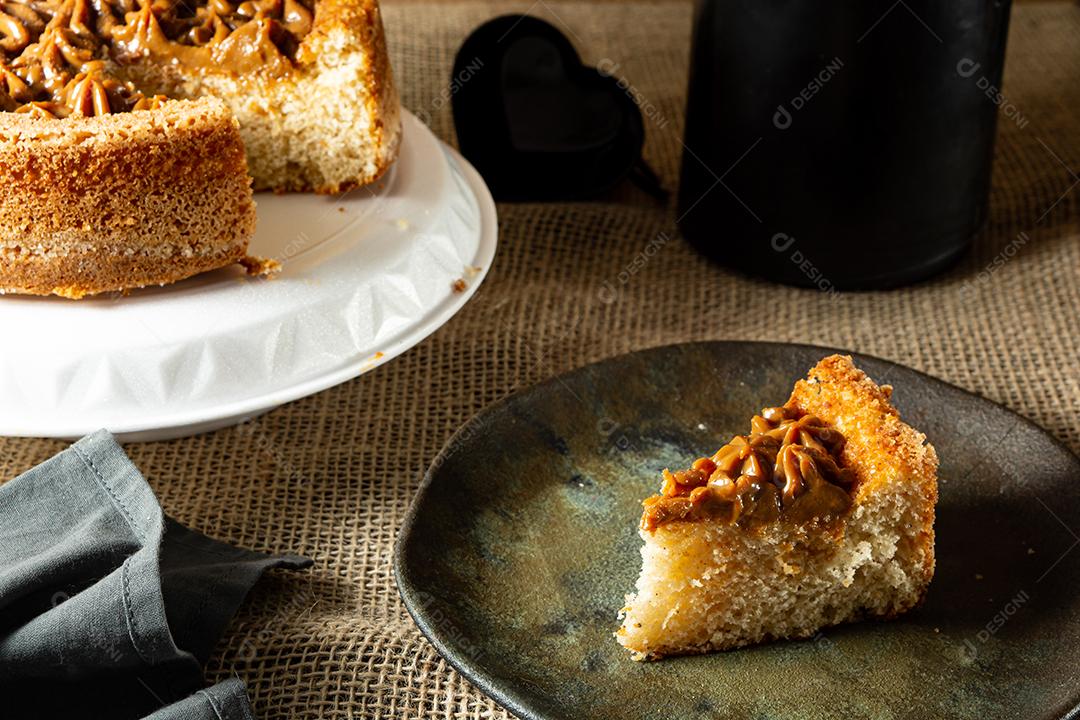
{"points": [[331, 476]]}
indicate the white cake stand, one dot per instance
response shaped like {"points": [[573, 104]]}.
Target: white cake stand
{"points": [[365, 277]]}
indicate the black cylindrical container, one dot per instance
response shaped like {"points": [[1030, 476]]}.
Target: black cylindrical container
{"points": [[841, 145]]}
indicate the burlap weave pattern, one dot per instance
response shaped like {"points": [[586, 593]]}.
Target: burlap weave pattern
{"points": [[331, 476]]}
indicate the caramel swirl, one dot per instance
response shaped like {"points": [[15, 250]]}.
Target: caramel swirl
{"points": [[787, 468], [61, 58]]}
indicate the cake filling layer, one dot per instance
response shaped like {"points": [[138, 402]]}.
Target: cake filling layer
{"points": [[787, 468]]}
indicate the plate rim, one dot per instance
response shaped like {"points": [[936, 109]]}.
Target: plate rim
{"points": [[409, 593]]}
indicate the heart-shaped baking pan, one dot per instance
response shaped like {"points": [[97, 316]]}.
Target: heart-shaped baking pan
{"points": [[522, 542], [534, 121]]}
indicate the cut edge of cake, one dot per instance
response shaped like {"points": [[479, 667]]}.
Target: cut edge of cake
{"points": [[707, 585], [331, 125]]}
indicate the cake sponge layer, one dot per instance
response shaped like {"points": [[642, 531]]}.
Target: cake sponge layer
{"points": [[329, 125]]}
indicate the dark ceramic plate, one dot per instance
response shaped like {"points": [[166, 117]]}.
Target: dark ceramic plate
{"points": [[522, 542]]}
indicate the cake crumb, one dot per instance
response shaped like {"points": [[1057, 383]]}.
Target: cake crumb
{"points": [[267, 267], [372, 361], [459, 286]]}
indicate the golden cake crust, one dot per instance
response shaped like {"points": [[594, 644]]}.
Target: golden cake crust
{"points": [[879, 444], [97, 204]]}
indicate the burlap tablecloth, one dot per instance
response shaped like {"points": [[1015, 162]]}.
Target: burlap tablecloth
{"points": [[331, 476]]}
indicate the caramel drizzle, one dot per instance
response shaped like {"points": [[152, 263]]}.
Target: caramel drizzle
{"points": [[786, 468], [61, 58]]}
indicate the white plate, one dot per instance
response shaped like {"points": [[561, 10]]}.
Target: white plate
{"points": [[365, 277]]}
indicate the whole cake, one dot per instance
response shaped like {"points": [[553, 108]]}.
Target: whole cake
{"points": [[822, 514], [132, 131]]}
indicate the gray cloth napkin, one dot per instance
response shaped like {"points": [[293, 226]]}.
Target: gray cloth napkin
{"points": [[108, 608]]}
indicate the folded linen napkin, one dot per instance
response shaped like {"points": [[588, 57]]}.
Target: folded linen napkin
{"points": [[108, 608]]}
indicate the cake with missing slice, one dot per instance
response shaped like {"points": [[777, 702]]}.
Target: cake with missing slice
{"points": [[124, 127], [823, 514]]}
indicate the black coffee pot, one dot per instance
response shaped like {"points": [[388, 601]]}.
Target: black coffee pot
{"points": [[845, 145]]}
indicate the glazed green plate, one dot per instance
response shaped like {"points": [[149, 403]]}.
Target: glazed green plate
{"points": [[522, 543]]}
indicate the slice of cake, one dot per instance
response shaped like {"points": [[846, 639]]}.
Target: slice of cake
{"points": [[823, 514]]}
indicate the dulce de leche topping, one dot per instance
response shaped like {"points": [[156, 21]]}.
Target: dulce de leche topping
{"points": [[787, 468], [60, 58]]}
